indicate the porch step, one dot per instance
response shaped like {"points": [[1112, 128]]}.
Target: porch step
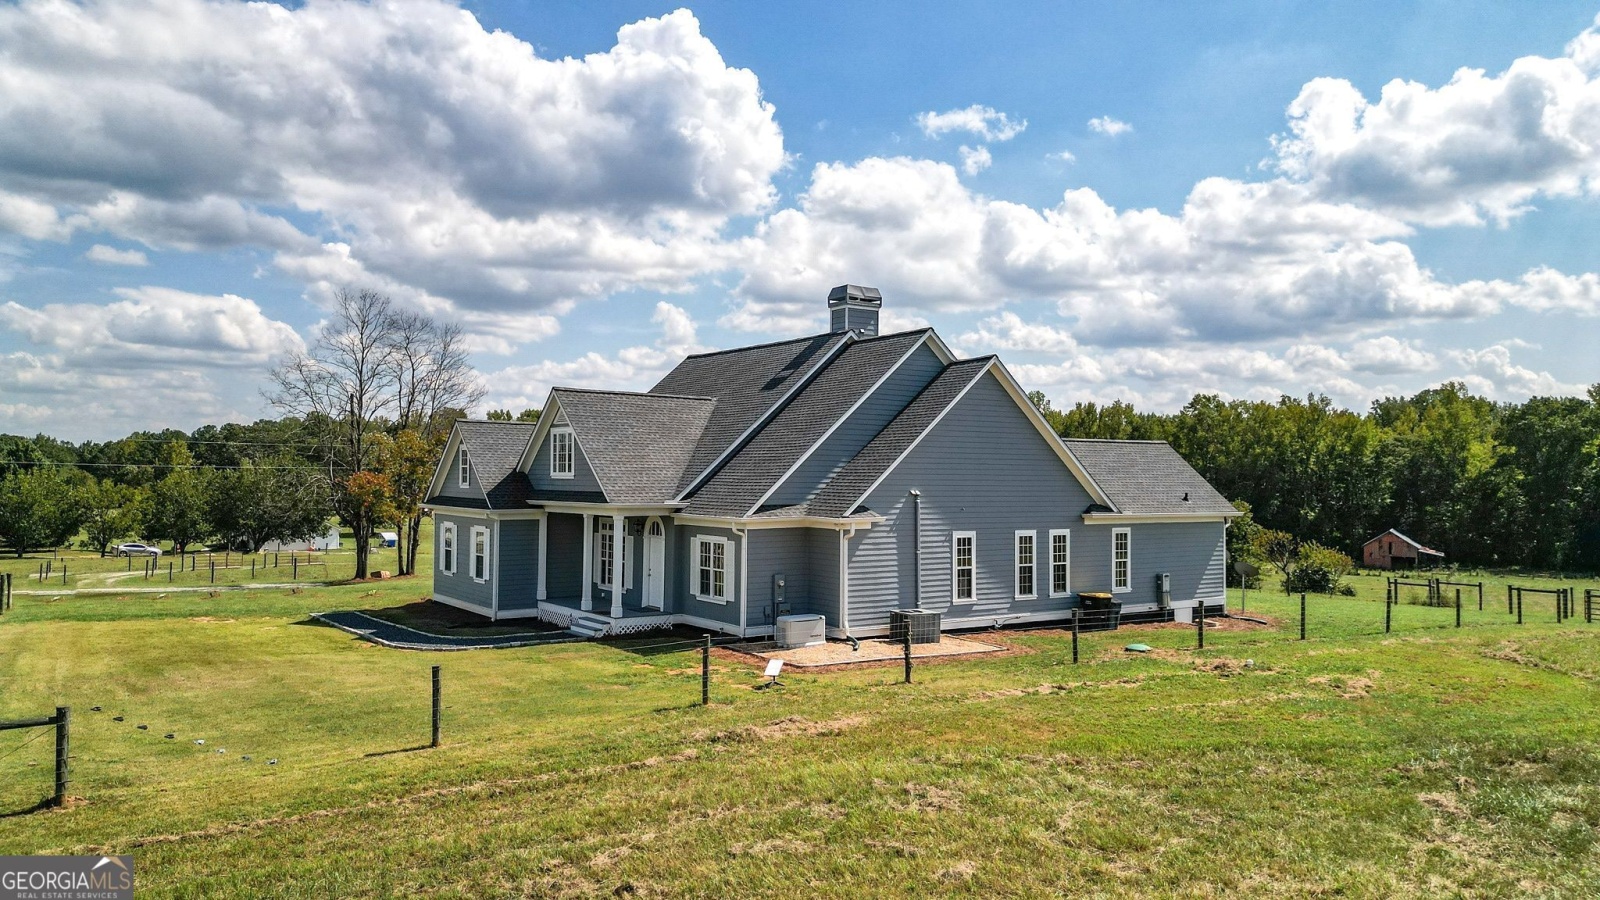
{"points": [[588, 626]]}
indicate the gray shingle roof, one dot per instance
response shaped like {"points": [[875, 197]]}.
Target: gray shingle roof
{"points": [[637, 444], [493, 451], [840, 495], [1148, 478], [741, 481], [747, 383]]}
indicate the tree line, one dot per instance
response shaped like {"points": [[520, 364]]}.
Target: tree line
{"points": [[1489, 484], [366, 411]]}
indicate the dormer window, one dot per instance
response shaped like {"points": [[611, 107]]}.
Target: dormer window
{"points": [[561, 453], [464, 475]]}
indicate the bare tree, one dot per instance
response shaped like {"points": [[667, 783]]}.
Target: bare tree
{"points": [[343, 387], [433, 380]]}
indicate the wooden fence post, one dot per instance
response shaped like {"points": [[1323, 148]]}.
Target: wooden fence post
{"points": [[436, 707], [1388, 614], [1508, 599], [1519, 606], [1200, 623], [907, 647], [1302, 616], [1458, 607]]}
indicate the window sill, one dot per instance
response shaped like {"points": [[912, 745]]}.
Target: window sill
{"points": [[481, 580], [1061, 596], [1122, 590], [566, 477], [722, 601], [1026, 597]]}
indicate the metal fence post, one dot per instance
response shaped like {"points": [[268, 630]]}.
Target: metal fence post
{"points": [[1458, 607], [705, 672], [1388, 615], [1075, 615], [1519, 606], [1508, 599], [1200, 623], [1480, 596], [63, 722], [1302, 616], [907, 647], [436, 707]]}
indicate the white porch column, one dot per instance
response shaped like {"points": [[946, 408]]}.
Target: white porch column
{"points": [[587, 564], [618, 535], [544, 532]]}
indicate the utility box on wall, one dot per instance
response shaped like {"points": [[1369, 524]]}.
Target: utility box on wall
{"points": [[1164, 590]]}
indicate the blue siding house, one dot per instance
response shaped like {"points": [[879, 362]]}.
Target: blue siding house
{"points": [[846, 474]]}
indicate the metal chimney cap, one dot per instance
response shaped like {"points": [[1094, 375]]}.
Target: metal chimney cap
{"points": [[848, 293]]}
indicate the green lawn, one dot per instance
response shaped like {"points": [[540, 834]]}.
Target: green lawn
{"points": [[1426, 762]]}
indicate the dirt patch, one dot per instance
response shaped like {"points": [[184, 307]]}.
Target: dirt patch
{"points": [[961, 871], [609, 858], [835, 653], [923, 797], [768, 847], [211, 620], [1349, 687], [792, 726]]}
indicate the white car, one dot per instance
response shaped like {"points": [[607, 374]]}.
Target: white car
{"points": [[135, 550]]}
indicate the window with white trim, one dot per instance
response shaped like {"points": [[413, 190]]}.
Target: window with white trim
{"points": [[711, 569], [463, 474], [561, 452], [480, 553], [605, 548], [447, 548], [1121, 559], [1060, 562], [1025, 560], [963, 565]]}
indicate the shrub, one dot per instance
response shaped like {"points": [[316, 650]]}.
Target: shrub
{"points": [[1317, 570]]}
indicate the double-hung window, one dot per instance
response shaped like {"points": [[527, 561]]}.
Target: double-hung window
{"points": [[711, 569], [480, 554], [561, 452], [1025, 558], [963, 566], [463, 474], [1060, 562], [1121, 559], [447, 548]]}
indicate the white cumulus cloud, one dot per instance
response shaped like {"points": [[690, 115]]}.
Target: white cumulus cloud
{"points": [[982, 121], [1108, 126], [975, 159], [111, 256]]}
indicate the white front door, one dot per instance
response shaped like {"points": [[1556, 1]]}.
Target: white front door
{"points": [[655, 564]]}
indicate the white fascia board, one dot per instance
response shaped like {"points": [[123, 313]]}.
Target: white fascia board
{"points": [[547, 415], [1124, 519], [761, 422], [1009, 382], [850, 412], [450, 443], [769, 524], [925, 432]]}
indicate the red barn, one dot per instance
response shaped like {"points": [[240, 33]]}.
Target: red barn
{"points": [[1393, 550]]}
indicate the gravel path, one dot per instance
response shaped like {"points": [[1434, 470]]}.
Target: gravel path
{"points": [[388, 634]]}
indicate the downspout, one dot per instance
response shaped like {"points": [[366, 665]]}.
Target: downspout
{"points": [[844, 586], [916, 549], [743, 534]]}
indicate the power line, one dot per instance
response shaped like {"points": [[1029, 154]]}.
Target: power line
{"points": [[86, 465]]}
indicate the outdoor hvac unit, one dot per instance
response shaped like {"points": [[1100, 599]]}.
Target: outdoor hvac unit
{"points": [[924, 625], [801, 631]]}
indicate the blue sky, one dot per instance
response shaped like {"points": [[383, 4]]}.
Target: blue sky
{"points": [[1125, 200]]}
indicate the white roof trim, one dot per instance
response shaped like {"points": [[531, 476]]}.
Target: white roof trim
{"points": [[978, 376], [550, 417], [1050, 436], [1152, 518], [440, 469], [939, 351], [761, 421]]}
